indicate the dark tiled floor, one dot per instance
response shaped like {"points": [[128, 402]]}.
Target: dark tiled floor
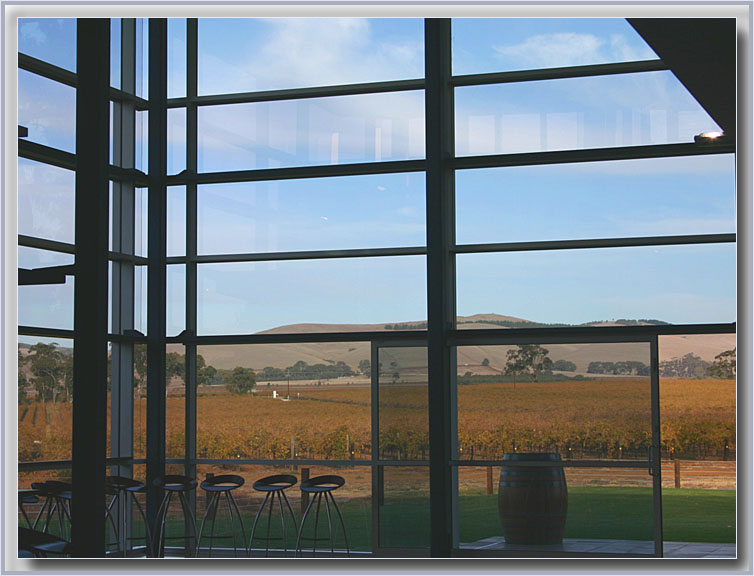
{"points": [[571, 546]]}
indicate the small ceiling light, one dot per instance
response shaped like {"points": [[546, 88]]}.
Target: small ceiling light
{"points": [[709, 137]]}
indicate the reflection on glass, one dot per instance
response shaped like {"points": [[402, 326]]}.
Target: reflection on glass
{"points": [[582, 401], [310, 296], [595, 112], [140, 402], [665, 284], [45, 305], [50, 39], [698, 416], [655, 197], [45, 399], [403, 409], [404, 506], [45, 201], [284, 401], [319, 214], [247, 54], [48, 109], [607, 510], [337, 130], [503, 44]]}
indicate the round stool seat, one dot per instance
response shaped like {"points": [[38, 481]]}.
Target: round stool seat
{"points": [[322, 484], [175, 483], [275, 483], [26, 496], [119, 483], [222, 483], [53, 488]]}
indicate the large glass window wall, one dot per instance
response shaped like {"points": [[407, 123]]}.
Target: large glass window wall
{"points": [[297, 273]]}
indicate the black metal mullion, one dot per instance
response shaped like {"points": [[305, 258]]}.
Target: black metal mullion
{"points": [[90, 292], [655, 463], [441, 315], [156, 295]]}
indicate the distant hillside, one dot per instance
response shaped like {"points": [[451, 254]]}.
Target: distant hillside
{"points": [[470, 358]]}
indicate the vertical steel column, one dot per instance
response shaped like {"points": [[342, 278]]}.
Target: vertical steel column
{"points": [[90, 291], [656, 464], [123, 222], [157, 240], [191, 167], [441, 302], [124, 130], [375, 429]]}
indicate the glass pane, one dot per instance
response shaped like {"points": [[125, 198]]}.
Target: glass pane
{"points": [[336, 130], [141, 158], [247, 54], [504, 44], [50, 39], [657, 197], [115, 51], [353, 500], [574, 113], [140, 401], [675, 284], [558, 509], [284, 401], [45, 305], [176, 58], [404, 404], [318, 214], [176, 220], [45, 399], [140, 221], [175, 402], [48, 109], [404, 506], [140, 299], [46, 198], [698, 415], [176, 140], [176, 299], [582, 401], [310, 296]]}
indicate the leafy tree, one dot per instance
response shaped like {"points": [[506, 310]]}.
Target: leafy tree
{"points": [[365, 367], [564, 366], [486, 362], [22, 381], [688, 366], [528, 360], [52, 372], [241, 380], [724, 365]]}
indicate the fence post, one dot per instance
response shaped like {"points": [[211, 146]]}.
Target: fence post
{"points": [[677, 473], [489, 479], [304, 495], [726, 453]]}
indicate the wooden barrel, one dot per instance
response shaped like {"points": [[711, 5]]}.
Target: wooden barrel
{"points": [[533, 500]]}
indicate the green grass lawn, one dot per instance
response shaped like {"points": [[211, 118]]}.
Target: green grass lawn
{"points": [[598, 512]]}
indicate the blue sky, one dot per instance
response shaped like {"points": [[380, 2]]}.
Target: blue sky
{"points": [[611, 199]]}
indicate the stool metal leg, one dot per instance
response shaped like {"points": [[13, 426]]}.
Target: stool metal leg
{"points": [[210, 504], [232, 499], [187, 513], [147, 531], [301, 527], [256, 519], [342, 524], [162, 512]]}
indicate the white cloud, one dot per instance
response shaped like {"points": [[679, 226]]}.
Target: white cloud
{"points": [[569, 49], [32, 32]]}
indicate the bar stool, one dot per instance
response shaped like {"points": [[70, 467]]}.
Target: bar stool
{"points": [[57, 497], [217, 487], [26, 496], [322, 486], [121, 488], [35, 544], [173, 484], [272, 486]]}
